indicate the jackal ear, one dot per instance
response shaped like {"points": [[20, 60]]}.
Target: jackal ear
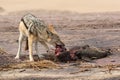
{"points": [[51, 28]]}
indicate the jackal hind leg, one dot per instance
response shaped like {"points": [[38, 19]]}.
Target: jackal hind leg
{"points": [[21, 37], [30, 44]]}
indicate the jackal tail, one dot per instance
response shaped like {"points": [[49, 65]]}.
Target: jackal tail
{"points": [[26, 45]]}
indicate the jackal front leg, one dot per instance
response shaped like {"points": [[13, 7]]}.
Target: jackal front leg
{"points": [[36, 47], [37, 52], [45, 45]]}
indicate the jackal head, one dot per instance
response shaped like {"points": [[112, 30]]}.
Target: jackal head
{"points": [[56, 41]]}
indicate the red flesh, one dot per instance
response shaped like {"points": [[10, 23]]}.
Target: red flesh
{"points": [[58, 50]]}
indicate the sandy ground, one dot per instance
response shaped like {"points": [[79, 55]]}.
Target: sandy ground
{"points": [[95, 29], [81, 6]]}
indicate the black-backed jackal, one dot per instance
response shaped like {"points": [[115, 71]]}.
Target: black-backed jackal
{"points": [[35, 30]]}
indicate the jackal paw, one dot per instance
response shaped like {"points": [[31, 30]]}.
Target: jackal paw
{"points": [[31, 60], [17, 57]]}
